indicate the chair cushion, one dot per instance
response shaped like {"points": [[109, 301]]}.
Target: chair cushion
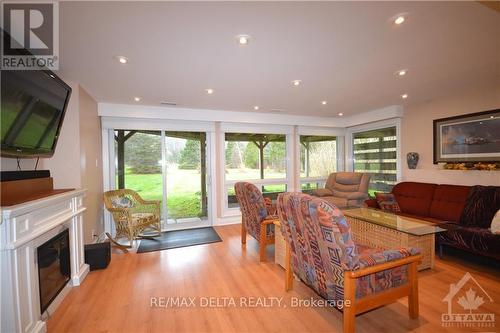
{"points": [[448, 202], [348, 178], [322, 192], [337, 202], [122, 202], [387, 202], [142, 216], [414, 198]]}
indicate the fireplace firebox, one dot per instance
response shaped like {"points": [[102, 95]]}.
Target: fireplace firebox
{"points": [[54, 269]]}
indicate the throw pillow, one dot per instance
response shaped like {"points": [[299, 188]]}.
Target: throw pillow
{"points": [[121, 202], [495, 224], [481, 205], [387, 202]]}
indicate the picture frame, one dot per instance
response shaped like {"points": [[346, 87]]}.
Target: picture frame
{"points": [[472, 137]]}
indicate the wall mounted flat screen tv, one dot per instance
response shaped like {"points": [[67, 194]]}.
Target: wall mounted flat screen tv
{"points": [[33, 104]]}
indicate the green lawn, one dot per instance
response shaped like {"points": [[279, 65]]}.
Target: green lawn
{"points": [[184, 188]]}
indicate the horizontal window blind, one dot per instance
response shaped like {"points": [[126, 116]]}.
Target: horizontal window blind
{"points": [[375, 153]]}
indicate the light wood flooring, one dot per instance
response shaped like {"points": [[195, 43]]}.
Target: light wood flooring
{"points": [[118, 298]]}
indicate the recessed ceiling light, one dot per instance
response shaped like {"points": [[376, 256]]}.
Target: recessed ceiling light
{"points": [[340, 114], [324, 102], [296, 82], [52, 76], [209, 91], [256, 107], [402, 72], [121, 59], [137, 99], [399, 20], [243, 39], [404, 96]]}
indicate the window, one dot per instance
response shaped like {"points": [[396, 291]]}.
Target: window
{"points": [[257, 158], [318, 158], [375, 152]]}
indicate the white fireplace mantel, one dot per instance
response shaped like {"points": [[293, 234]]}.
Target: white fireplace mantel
{"points": [[23, 228]]}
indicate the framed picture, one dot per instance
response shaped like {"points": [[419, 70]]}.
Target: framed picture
{"points": [[468, 138]]}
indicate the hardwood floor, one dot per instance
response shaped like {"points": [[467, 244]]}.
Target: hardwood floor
{"points": [[118, 299]]}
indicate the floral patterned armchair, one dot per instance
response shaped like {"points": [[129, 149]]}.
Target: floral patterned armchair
{"points": [[321, 252], [257, 215]]}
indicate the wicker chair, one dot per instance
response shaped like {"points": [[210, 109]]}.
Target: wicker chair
{"points": [[257, 216], [355, 278], [132, 214]]}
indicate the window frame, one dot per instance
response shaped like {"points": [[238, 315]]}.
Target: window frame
{"points": [[350, 131], [339, 133], [227, 211]]}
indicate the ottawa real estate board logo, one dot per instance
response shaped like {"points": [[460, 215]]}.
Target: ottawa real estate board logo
{"points": [[30, 35], [466, 301]]}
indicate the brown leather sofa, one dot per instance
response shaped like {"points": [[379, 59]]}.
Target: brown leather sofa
{"points": [[446, 206], [345, 189]]}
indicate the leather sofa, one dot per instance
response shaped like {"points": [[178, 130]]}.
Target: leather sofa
{"points": [[444, 205], [345, 189]]}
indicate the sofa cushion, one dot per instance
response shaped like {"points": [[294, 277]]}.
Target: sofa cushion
{"points": [[414, 198], [472, 239], [448, 202], [387, 202], [423, 218], [482, 204]]}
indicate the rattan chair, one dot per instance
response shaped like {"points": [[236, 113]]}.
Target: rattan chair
{"points": [[132, 214]]}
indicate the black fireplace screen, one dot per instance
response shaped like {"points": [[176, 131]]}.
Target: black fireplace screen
{"points": [[53, 268]]}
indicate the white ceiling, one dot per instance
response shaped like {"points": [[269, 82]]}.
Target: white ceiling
{"points": [[345, 53]]}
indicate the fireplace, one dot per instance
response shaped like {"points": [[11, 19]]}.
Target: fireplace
{"points": [[54, 267]]}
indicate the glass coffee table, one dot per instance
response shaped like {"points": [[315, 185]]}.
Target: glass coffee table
{"points": [[382, 230]]}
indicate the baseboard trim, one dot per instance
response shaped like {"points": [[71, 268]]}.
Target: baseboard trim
{"points": [[82, 274], [227, 220]]}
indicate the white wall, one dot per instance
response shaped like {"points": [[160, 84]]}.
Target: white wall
{"points": [[417, 133]]}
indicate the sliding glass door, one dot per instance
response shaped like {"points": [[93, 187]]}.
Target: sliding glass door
{"points": [[168, 166], [186, 178]]}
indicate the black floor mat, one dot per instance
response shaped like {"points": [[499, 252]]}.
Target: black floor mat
{"points": [[179, 238]]}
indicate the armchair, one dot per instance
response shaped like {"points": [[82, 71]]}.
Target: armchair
{"points": [[257, 216], [132, 214], [345, 189], [354, 278]]}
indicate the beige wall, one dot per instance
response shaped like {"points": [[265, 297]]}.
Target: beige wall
{"points": [[90, 164], [10, 164], [417, 134], [64, 165]]}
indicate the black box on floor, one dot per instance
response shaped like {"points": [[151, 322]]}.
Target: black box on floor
{"points": [[98, 255]]}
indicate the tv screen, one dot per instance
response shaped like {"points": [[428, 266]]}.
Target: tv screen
{"points": [[33, 103]]}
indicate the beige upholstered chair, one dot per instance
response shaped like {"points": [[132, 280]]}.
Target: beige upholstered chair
{"points": [[345, 189]]}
